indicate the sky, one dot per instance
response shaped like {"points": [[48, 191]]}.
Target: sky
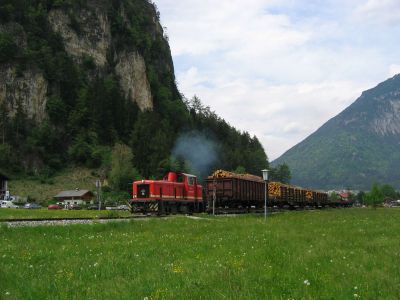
{"points": [[279, 69]]}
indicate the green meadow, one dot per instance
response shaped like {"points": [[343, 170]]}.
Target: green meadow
{"points": [[326, 254], [44, 213]]}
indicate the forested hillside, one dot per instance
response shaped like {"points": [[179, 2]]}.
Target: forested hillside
{"points": [[78, 77]]}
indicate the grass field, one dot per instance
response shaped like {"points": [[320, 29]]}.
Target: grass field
{"points": [[328, 254], [9, 213]]}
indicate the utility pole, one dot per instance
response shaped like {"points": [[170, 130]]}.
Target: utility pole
{"points": [[265, 177], [214, 195], [98, 186]]}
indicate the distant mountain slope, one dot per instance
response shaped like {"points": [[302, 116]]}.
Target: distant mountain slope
{"points": [[359, 146]]}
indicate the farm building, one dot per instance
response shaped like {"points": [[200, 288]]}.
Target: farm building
{"points": [[3, 185], [344, 196], [75, 197]]}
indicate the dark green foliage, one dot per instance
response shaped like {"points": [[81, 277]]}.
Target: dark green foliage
{"points": [[360, 197], [8, 48], [388, 191], [6, 155], [56, 110], [122, 171], [240, 170], [281, 173], [375, 197], [4, 122], [80, 151], [152, 140]]}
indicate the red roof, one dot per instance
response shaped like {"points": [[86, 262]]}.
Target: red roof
{"points": [[344, 195]]}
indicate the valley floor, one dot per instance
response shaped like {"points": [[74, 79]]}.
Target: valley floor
{"points": [[327, 254]]}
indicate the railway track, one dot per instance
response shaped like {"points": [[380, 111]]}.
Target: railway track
{"points": [[69, 219], [21, 222]]}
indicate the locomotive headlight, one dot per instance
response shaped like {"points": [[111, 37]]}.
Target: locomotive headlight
{"points": [[143, 192]]}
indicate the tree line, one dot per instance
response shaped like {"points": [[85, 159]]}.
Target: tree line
{"points": [[378, 194]]}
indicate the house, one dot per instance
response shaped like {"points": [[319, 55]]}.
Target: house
{"points": [[77, 196], [344, 196], [3, 186]]}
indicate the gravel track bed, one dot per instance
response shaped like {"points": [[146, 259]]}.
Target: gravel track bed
{"points": [[60, 222]]}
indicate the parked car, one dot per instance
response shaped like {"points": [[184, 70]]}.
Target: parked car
{"points": [[94, 207], [74, 206], [7, 204], [123, 207], [32, 206], [119, 207], [111, 208], [54, 206]]}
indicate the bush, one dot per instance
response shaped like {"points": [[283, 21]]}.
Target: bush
{"points": [[375, 197], [122, 170]]}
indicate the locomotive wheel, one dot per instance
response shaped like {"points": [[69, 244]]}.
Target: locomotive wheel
{"points": [[190, 208], [167, 208], [183, 208], [161, 208], [173, 209]]}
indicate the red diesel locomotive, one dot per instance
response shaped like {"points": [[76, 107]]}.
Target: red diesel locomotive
{"points": [[175, 193]]}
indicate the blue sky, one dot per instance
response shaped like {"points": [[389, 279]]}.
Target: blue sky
{"points": [[279, 69]]}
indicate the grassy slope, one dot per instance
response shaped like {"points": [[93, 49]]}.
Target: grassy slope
{"points": [[68, 180], [343, 254]]}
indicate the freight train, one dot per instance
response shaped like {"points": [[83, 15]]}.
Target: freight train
{"points": [[224, 192]]}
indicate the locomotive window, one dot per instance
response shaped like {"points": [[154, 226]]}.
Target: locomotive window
{"points": [[191, 180], [180, 178]]}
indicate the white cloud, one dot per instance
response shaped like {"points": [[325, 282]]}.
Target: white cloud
{"points": [[284, 113], [278, 69], [379, 11], [394, 70], [207, 26]]}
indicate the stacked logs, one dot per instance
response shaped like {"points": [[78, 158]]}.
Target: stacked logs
{"points": [[227, 174], [309, 195], [274, 189]]}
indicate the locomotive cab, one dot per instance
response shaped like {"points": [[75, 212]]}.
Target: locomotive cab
{"points": [[176, 192]]}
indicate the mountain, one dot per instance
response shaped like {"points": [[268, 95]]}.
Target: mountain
{"points": [[77, 77], [355, 149]]}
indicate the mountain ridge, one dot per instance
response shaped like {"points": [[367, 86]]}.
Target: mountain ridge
{"points": [[355, 148]]}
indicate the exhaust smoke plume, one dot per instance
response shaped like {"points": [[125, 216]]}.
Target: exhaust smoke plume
{"points": [[198, 150]]}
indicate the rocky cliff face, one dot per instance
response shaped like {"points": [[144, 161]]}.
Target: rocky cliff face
{"points": [[26, 91], [94, 40], [387, 122], [131, 69], [86, 35], [94, 36]]}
